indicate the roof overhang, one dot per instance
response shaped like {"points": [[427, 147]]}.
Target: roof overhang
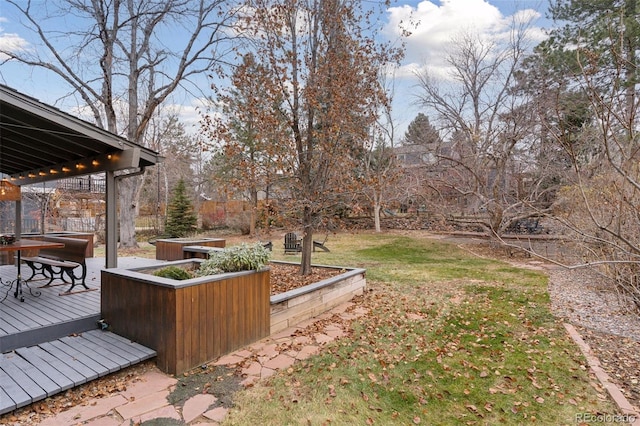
{"points": [[41, 143]]}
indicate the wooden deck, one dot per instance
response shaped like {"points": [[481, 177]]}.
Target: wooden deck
{"points": [[52, 342], [34, 373]]}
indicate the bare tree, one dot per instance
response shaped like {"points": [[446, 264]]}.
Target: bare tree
{"points": [[585, 80], [379, 170], [487, 128], [118, 65], [599, 207]]}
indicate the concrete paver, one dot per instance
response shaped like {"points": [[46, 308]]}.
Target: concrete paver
{"points": [[144, 405], [231, 359], [151, 382], [166, 412], [218, 414], [323, 338], [307, 352], [253, 369], [81, 413], [280, 362], [196, 406], [103, 421], [267, 372], [269, 351]]}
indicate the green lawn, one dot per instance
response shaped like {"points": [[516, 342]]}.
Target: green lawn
{"points": [[449, 339]]}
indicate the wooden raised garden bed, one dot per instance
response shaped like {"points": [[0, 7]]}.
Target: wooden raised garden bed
{"points": [[188, 322], [193, 321], [171, 248]]}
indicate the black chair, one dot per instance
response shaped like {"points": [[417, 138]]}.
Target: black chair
{"points": [[292, 243]]}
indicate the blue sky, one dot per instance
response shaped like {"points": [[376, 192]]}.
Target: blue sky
{"points": [[436, 22]]}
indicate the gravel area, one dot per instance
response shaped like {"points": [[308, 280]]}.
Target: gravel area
{"points": [[581, 298]]}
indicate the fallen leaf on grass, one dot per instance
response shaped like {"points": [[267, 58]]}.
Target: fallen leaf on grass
{"points": [[332, 391]]}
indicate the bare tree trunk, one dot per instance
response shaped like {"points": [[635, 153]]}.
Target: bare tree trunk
{"points": [[376, 212], [254, 209], [127, 211], [307, 242], [252, 221]]}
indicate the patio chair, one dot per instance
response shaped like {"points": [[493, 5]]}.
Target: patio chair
{"points": [[292, 243]]}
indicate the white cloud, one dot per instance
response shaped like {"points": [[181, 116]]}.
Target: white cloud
{"points": [[11, 43], [433, 26], [190, 115]]}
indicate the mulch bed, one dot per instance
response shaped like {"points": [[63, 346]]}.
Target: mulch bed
{"points": [[286, 277]]}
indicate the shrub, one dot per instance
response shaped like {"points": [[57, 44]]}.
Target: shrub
{"points": [[244, 257], [173, 272], [240, 221]]}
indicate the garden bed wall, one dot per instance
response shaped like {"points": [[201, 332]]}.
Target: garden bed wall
{"points": [[290, 308], [189, 322], [171, 248]]}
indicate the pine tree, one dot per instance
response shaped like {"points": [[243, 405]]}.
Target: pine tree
{"points": [[421, 132], [181, 219]]}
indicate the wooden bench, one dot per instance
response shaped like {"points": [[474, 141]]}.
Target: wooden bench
{"points": [[201, 252], [55, 263]]}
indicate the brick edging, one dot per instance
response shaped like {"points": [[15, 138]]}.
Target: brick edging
{"points": [[615, 393]]}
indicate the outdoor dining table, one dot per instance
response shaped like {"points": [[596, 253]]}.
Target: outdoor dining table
{"points": [[17, 246]]}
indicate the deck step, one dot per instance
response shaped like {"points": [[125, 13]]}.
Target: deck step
{"points": [[30, 374]]}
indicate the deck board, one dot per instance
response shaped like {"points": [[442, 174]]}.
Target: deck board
{"points": [[100, 354], [31, 374], [21, 379], [52, 365], [40, 380], [17, 396], [124, 349], [76, 364]]}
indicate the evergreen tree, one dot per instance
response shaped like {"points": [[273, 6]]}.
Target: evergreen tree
{"points": [[421, 132], [597, 39], [181, 219]]}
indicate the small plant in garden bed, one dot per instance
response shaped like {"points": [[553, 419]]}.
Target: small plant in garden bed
{"points": [[174, 272], [244, 257]]}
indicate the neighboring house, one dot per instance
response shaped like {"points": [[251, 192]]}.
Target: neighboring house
{"points": [[416, 155]]}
